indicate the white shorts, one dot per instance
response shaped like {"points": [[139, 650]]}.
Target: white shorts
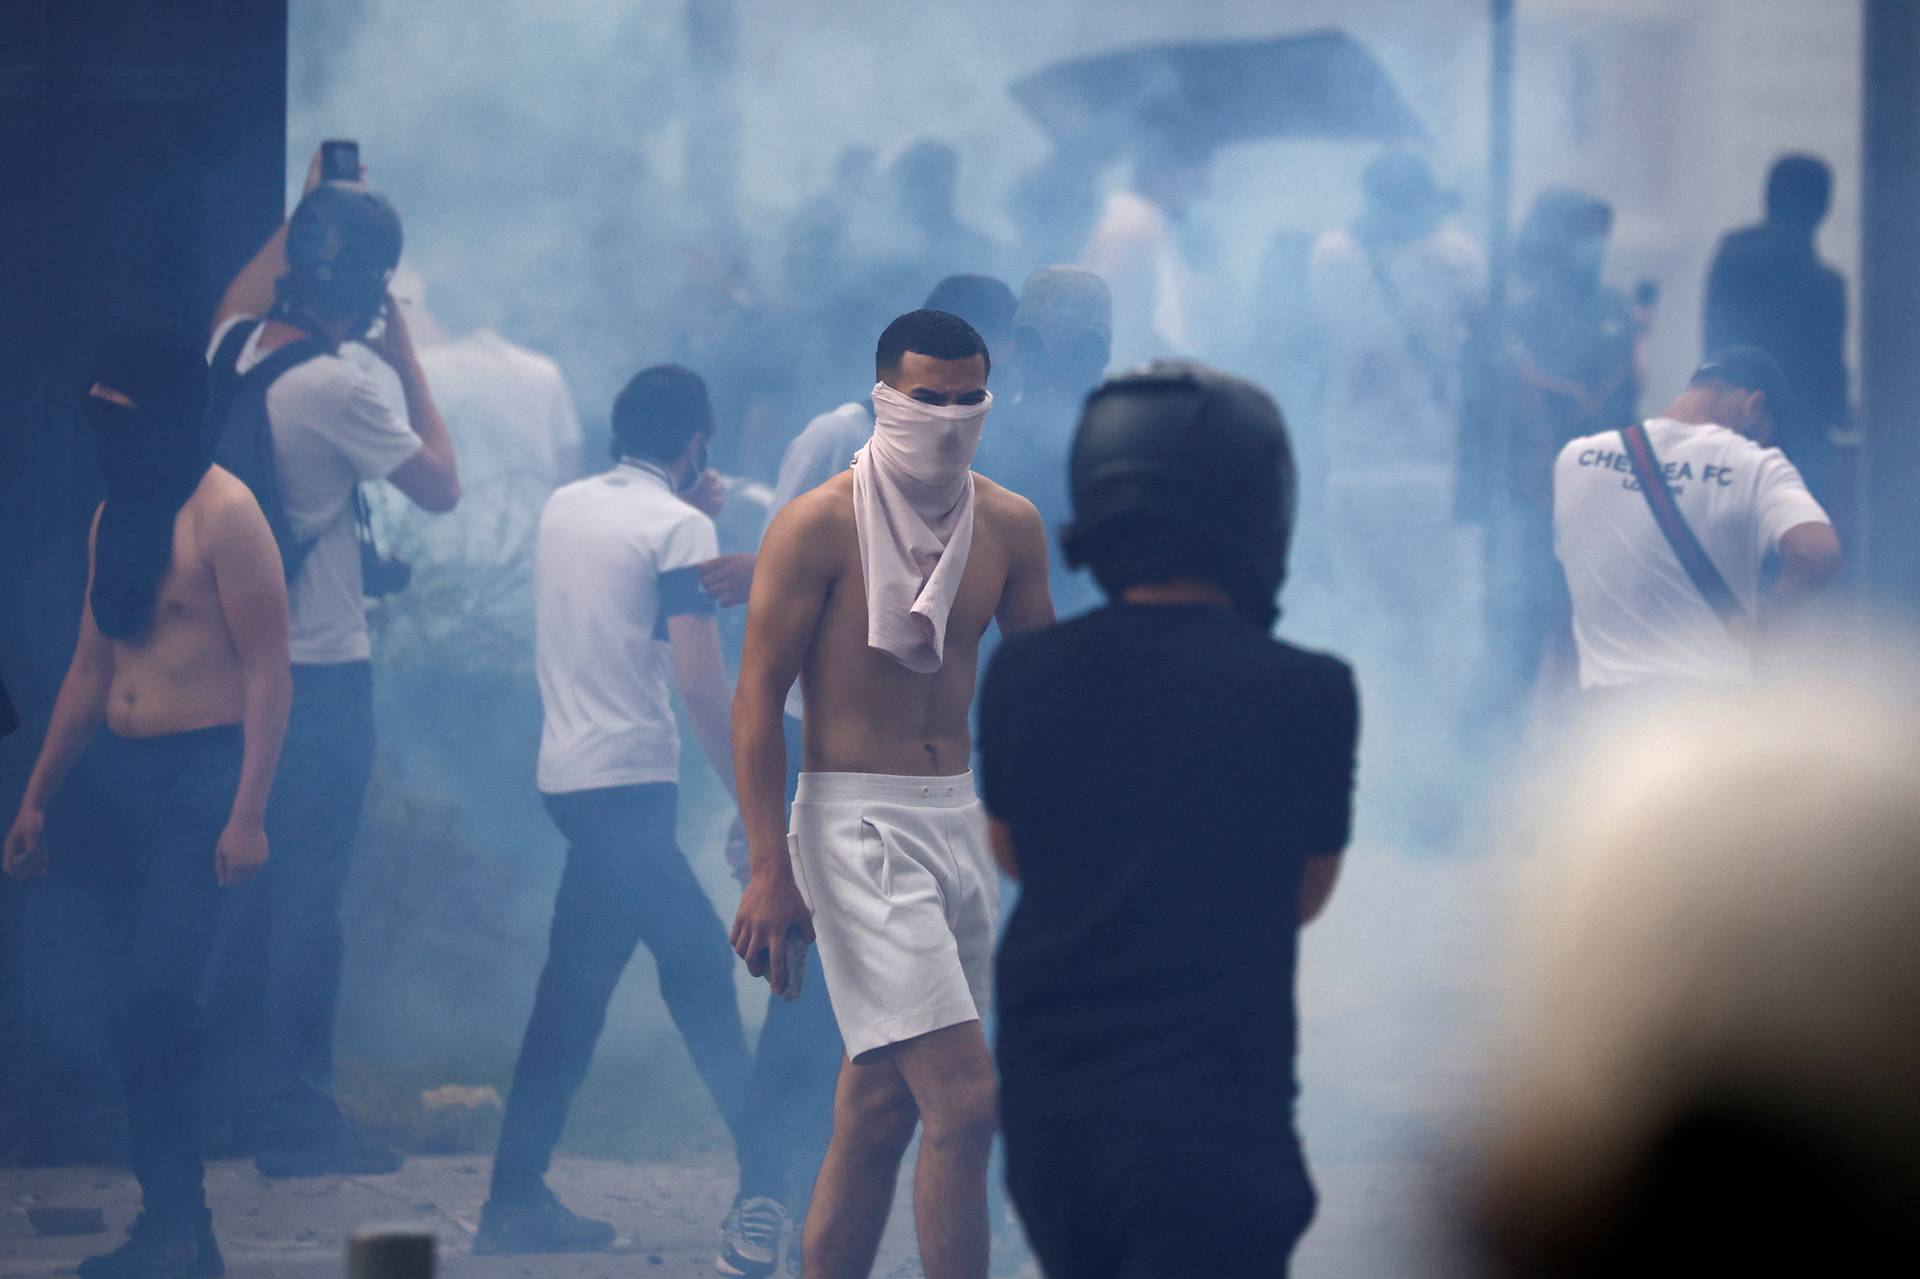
{"points": [[904, 896]]}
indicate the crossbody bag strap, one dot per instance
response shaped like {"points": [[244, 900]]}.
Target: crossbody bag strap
{"points": [[1686, 546], [1415, 342]]}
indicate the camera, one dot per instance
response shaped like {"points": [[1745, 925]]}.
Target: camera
{"points": [[380, 575]]}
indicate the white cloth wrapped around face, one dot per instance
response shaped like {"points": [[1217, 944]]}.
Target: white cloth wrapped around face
{"points": [[913, 510]]}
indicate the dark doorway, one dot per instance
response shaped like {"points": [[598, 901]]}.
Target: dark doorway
{"points": [[142, 159]]}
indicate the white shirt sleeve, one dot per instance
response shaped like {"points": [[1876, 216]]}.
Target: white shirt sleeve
{"points": [[1781, 501], [691, 541]]}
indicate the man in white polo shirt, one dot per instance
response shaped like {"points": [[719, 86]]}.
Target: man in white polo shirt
{"points": [[620, 619], [1648, 609]]}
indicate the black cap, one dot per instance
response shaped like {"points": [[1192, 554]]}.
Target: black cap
{"points": [[1751, 369]]}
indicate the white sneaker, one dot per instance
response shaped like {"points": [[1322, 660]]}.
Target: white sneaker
{"points": [[750, 1239]]}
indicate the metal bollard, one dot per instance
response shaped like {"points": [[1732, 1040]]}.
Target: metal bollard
{"points": [[390, 1252]]}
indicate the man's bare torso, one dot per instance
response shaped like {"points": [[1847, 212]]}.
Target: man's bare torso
{"points": [[184, 672], [866, 713]]}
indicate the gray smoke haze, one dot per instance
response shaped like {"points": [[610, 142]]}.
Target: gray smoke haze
{"points": [[615, 185]]}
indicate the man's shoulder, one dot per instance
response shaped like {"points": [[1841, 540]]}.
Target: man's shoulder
{"points": [[222, 505], [999, 504], [1294, 666], [220, 488], [846, 417], [1600, 441], [1745, 239], [826, 505]]}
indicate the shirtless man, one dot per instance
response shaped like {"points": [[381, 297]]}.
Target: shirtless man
{"points": [[183, 653], [874, 591]]}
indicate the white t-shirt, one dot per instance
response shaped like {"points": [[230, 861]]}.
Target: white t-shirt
{"points": [[1636, 614], [824, 448], [332, 428], [1384, 418], [605, 544], [519, 440]]}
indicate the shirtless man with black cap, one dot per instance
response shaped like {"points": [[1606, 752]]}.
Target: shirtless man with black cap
{"points": [[874, 591], [183, 653]]}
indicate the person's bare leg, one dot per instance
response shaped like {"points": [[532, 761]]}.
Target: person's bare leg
{"points": [[950, 1076], [873, 1122]]}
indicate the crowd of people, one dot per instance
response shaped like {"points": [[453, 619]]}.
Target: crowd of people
{"points": [[1483, 509]]}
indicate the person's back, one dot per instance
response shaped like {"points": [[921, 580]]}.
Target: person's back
{"points": [[1170, 759], [1393, 321], [604, 544], [621, 620], [1767, 287], [512, 409], [1172, 787], [1637, 613]]}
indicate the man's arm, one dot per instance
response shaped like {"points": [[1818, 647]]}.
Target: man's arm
{"points": [[789, 595], [251, 292], [1809, 558], [431, 477], [252, 586], [77, 712], [702, 677], [1025, 604]]}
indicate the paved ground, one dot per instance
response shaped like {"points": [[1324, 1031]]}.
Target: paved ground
{"points": [[1393, 995]]}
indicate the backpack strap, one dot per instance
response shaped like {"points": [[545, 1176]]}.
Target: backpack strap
{"points": [[240, 434], [1686, 546], [226, 380]]}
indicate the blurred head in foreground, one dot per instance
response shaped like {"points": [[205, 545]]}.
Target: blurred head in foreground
{"points": [[1716, 1062]]}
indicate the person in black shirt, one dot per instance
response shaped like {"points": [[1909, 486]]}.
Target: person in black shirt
{"points": [[1172, 787], [1768, 288]]}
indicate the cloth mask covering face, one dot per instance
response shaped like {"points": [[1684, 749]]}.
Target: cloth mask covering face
{"points": [[152, 466], [913, 511]]}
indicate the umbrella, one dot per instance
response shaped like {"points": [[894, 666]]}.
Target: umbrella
{"points": [[1322, 84]]}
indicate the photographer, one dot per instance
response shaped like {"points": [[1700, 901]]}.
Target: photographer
{"points": [[321, 280]]}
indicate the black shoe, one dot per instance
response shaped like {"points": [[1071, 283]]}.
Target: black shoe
{"points": [[540, 1224], [180, 1248], [340, 1150]]}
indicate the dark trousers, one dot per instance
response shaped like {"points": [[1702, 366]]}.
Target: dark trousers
{"points": [[1165, 1203], [165, 801], [626, 882], [277, 970], [788, 1119]]}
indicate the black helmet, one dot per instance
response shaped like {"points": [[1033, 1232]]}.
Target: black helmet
{"points": [[1178, 469], [343, 243]]}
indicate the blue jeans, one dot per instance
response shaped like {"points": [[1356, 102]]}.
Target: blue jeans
{"points": [[277, 967], [626, 882]]}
